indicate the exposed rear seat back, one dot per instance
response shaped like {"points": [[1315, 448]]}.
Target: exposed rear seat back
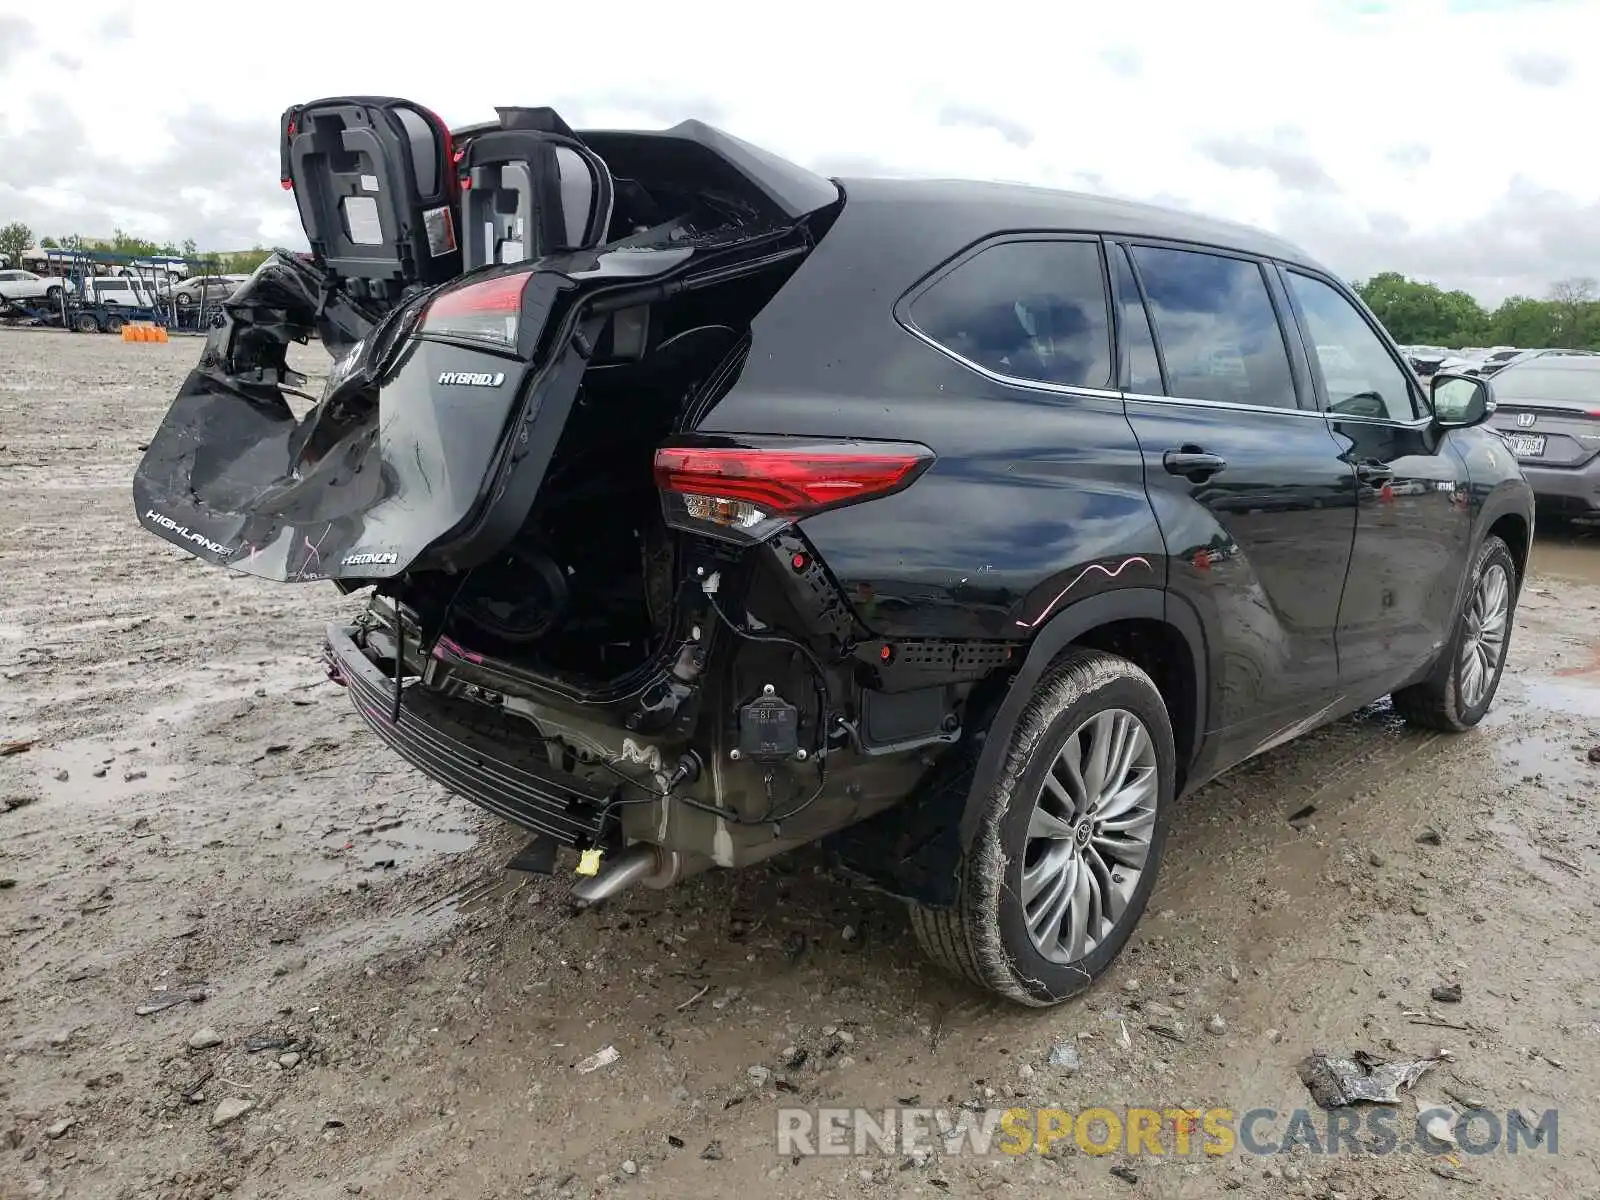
{"points": [[531, 188], [377, 191]]}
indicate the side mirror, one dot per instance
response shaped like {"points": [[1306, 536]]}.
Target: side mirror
{"points": [[1460, 401]]}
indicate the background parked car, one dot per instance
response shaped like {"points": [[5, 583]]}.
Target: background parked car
{"points": [[1548, 410], [27, 287], [173, 268], [119, 292], [213, 289]]}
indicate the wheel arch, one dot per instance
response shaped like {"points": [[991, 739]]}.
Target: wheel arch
{"points": [[1158, 632], [1515, 531], [914, 849]]}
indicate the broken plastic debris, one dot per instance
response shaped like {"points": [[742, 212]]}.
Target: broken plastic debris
{"points": [[601, 1058], [1360, 1079], [160, 1002], [589, 862]]}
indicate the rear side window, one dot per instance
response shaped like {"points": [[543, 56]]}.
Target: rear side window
{"points": [[1219, 333], [1144, 370], [1033, 310]]}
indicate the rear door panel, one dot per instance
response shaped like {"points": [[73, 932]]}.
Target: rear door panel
{"points": [[1260, 546]]}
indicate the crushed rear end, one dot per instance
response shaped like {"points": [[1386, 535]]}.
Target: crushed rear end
{"points": [[585, 617]]}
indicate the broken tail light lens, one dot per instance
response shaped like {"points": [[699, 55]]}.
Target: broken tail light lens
{"points": [[485, 310], [749, 492]]}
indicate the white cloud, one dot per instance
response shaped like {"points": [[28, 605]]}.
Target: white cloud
{"points": [[1337, 123]]}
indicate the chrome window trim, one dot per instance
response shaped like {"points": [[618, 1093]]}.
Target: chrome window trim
{"points": [[1226, 405], [1059, 389]]}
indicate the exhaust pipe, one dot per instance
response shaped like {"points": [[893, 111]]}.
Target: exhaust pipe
{"points": [[641, 863]]}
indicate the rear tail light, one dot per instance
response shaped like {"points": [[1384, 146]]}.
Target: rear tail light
{"points": [[486, 310], [747, 493]]}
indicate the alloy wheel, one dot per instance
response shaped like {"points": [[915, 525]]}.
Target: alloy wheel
{"points": [[1484, 641], [1089, 835]]}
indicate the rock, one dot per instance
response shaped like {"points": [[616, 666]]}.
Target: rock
{"points": [[712, 1152], [1233, 974], [59, 1129], [759, 1075], [1125, 1173], [1430, 837], [60, 1037], [1216, 1025], [1161, 1012], [230, 1110], [629, 1167], [204, 1039], [680, 1094], [1065, 1056], [1375, 859], [1594, 754], [1447, 993], [846, 1037], [1418, 908], [1130, 986], [353, 1188], [288, 1060], [1026, 1071], [1291, 1172], [62, 776]]}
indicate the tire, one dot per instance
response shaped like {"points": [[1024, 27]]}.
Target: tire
{"points": [[53, 296], [84, 323], [985, 935], [113, 324], [183, 299], [1449, 699]]}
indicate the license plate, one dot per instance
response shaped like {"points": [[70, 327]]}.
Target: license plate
{"points": [[1527, 445]]}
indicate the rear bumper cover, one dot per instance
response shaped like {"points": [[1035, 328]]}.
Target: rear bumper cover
{"points": [[461, 745], [1576, 487]]}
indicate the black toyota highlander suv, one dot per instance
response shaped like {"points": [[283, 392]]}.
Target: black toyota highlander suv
{"points": [[708, 507]]}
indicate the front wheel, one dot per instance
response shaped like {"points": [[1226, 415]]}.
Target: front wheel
{"points": [[1462, 685], [1069, 840]]}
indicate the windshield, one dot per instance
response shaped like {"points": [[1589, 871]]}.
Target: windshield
{"points": [[1558, 385]]}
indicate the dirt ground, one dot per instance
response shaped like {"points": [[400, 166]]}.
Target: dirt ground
{"points": [[201, 813]]}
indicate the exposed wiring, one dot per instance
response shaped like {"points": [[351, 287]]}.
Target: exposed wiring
{"points": [[777, 639]]}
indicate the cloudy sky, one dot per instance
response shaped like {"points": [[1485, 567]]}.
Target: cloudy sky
{"points": [[1444, 138]]}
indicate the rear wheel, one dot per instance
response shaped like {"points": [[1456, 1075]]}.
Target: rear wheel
{"points": [[1463, 684], [1070, 837], [113, 324], [84, 323]]}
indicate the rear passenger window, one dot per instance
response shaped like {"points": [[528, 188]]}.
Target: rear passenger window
{"points": [[1032, 310], [1144, 371], [1359, 375], [1219, 333]]}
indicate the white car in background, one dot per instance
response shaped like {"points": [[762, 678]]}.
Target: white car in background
{"points": [[175, 269], [28, 288], [116, 291]]}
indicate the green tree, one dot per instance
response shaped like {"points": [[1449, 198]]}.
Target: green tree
{"points": [[1522, 321], [190, 250], [1573, 314], [48, 243], [1416, 313], [14, 239]]}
